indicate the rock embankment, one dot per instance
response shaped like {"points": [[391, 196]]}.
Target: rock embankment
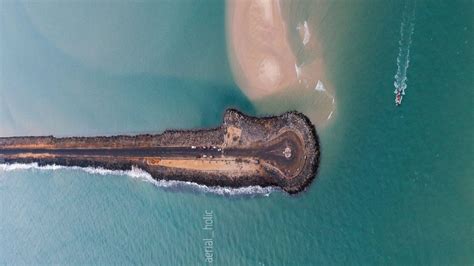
{"points": [[278, 151]]}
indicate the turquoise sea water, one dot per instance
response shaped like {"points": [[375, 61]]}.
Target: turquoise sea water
{"points": [[395, 184]]}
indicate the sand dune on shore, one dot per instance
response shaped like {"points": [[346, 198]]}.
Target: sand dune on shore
{"points": [[267, 68]]}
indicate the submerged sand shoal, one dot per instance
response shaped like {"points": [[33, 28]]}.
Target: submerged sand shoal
{"points": [[265, 64]]}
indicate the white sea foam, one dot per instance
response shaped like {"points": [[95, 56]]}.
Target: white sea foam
{"points": [[142, 175], [298, 71], [320, 86], [330, 114], [407, 27], [306, 33]]}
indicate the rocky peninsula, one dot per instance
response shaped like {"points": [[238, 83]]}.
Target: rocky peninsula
{"points": [[244, 151]]}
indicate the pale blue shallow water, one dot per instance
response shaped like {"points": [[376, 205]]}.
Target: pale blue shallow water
{"points": [[395, 184]]}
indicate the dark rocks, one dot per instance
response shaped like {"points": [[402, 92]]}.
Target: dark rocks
{"points": [[268, 151]]}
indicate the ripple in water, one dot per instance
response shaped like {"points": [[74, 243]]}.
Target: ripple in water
{"points": [[407, 27]]}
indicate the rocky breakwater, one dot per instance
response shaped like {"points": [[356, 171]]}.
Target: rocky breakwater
{"points": [[244, 151]]}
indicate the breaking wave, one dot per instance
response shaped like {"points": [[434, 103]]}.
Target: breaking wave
{"points": [[142, 175], [407, 27]]}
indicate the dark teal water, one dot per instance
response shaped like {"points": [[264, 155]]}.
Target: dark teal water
{"points": [[395, 184]]}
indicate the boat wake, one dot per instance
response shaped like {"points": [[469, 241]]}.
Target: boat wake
{"points": [[142, 175], [407, 27]]}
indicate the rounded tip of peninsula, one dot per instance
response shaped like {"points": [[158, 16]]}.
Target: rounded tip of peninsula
{"points": [[244, 151]]}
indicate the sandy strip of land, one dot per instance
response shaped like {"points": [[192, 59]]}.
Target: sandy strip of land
{"points": [[262, 58], [221, 165], [264, 64]]}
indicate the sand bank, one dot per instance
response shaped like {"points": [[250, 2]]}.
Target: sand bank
{"points": [[268, 64]]}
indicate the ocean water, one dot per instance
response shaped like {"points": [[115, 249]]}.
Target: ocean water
{"points": [[395, 185]]}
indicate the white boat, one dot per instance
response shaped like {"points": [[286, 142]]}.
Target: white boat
{"points": [[398, 98]]}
